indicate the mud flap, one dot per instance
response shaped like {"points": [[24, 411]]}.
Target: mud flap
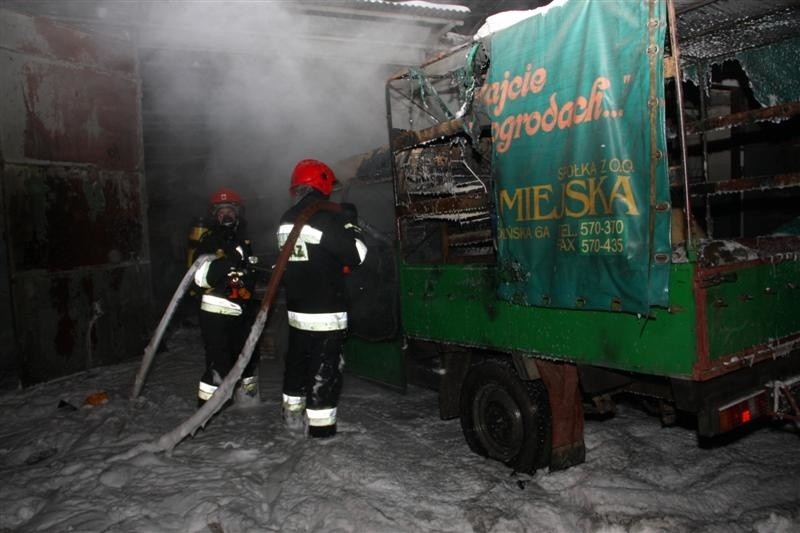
{"points": [[566, 410]]}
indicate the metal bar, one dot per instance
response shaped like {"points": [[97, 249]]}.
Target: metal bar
{"points": [[453, 17], [743, 118], [795, 409], [443, 205], [408, 138], [697, 5], [760, 183], [653, 108], [470, 237], [438, 57], [673, 40], [703, 361], [746, 358], [413, 102], [704, 157], [392, 165]]}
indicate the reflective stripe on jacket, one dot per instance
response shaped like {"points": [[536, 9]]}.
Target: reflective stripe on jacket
{"points": [[220, 305], [318, 321], [315, 274]]}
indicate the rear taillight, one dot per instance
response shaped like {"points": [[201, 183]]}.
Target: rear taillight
{"points": [[742, 411]]}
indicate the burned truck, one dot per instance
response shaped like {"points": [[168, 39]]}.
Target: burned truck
{"points": [[598, 199]]}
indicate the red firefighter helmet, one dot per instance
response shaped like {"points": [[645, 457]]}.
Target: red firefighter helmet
{"points": [[225, 197], [315, 174]]}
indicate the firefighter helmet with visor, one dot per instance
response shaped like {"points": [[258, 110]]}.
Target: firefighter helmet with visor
{"points": [[314, 174], [225, 197]]}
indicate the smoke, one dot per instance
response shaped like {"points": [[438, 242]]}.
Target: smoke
{"points": [[234, 93], [265, 85], [243, 89]]}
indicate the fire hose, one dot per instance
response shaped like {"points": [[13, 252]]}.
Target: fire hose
{"points": [[168, 441]]}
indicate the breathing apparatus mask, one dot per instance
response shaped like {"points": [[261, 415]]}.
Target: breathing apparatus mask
{"points": [[229, 219]]}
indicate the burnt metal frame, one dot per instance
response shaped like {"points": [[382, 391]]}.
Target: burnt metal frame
{"points": [[706, 124], [701, 127], [411, 138]]}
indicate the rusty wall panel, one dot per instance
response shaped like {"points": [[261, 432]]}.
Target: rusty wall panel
{"points": [[68, 113], [80, 116], [74, 206], [80, 319], [61, 218], [67, 96], [40, 37]]}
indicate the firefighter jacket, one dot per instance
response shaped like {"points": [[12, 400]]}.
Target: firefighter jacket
{"points": [[226, 282], [327, 246]]}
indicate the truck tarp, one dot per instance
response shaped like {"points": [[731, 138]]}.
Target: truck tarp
{"points": [[774, 72], [579, 156]]}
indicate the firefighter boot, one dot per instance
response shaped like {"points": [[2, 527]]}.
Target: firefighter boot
{"points": [[246, 394], [293, 412], [322, 432], [209, 384], [321, 422]]}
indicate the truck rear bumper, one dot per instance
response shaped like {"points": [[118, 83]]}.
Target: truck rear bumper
{"points": [[770, 388]]}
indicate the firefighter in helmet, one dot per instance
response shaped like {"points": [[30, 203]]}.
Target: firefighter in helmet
{"points": [[328, 245], [227, 286]]}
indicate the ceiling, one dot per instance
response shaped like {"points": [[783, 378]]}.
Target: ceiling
{"points": [[400, 33], [392, 33]]}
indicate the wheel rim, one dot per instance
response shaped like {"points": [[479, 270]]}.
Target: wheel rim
{"points": [[498, 422]]}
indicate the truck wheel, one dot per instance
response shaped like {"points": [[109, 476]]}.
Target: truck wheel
{"points": [[504, 417]]}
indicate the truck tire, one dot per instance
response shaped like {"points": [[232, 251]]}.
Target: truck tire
{"points": [[504, 417]]}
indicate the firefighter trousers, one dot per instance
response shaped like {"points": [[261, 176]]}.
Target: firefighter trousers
{"points": [[224, 337], [313, 369]]}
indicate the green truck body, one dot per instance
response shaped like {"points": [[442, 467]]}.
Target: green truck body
{"points": [[716, 320], [722, 346]]}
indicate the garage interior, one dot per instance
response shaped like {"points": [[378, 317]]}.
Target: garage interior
{"points": [[120, 118]]}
